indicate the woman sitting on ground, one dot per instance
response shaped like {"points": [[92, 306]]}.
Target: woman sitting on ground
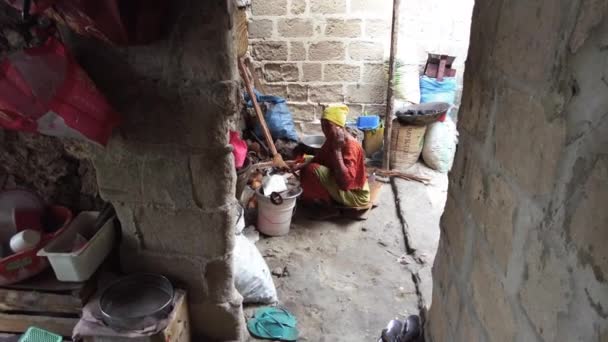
{"points": [[337, 172]]}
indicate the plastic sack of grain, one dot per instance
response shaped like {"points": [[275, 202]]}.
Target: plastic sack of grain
{"points": [[252, 277], [440, 145]]}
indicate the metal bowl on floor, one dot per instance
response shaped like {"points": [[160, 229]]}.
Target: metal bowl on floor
{"points": [[313, 141], [136, 301]]}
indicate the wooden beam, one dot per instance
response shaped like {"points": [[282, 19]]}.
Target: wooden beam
{"points": [[31, 301], [48, 283], [388, 116], [19, 323]]}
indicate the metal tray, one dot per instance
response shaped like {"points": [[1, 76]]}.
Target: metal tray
{"points": [[313, 141], [422, 114], [136, 301]]}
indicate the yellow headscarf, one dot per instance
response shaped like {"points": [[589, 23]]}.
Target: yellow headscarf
{"points": [[336, 114]]}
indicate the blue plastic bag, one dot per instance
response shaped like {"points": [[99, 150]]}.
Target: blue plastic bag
{"points": [[278, 117], [432, 90]]}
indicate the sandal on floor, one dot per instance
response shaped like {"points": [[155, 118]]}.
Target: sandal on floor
{"points": [[272, 323]]}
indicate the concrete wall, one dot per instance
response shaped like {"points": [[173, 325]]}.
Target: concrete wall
{"points": [[169, 170], [522, 255], [323, 51]]}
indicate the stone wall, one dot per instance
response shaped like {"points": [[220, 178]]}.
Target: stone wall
{"points": [[522, 254], [169, 170], [322, 51]]}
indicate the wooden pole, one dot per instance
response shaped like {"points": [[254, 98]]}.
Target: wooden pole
{"points": [[277, 159], [256, 107], [388, 116]]}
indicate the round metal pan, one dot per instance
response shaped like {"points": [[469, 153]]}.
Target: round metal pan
{"points": [[422, 114], [136, 301], [313, 141]]}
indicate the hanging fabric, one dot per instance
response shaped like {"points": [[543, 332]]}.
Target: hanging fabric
{"points": [[44, 90]]}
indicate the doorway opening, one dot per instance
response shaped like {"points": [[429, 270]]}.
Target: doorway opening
{"points": [[346, 279]]}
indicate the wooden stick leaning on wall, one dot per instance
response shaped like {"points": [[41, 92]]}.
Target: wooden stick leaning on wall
{"points": [[253, 75], [276, 157], [377, 171], [402, 175], [388, 116]]}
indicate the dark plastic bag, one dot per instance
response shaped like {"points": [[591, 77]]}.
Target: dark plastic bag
{"points": [[278, 117]]}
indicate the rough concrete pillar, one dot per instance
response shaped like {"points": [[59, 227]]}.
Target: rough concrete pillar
{"points": [[169, 170], [522, 255]]}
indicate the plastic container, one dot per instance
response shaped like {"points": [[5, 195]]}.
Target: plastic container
{"points": [[34, 334], [368, 122], [373, 140], [240, 220], [79, 265], [275, 219], [25, 240], [20, 266], [19, 209], [242, 177]]}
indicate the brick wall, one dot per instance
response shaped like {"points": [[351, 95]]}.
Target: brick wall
{"points": [[321, 51]]}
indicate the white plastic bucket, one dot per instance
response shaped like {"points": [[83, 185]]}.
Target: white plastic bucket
{"points": [[275, 219]]}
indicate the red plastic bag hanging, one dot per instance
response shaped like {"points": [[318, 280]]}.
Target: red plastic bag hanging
{"points": [[239, 149], [44, 90]]}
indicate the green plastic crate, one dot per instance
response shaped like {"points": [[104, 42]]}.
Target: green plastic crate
{"points": [[34, 334]]}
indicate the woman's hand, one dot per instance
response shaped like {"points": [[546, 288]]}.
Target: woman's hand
{"points": [[338, 138], [298, 167], [300, 164]]}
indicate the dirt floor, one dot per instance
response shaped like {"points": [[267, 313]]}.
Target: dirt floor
{"points": [[344, 280]]}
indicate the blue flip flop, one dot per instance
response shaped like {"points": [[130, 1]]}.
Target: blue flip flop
{"points": [[272, 323]]}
